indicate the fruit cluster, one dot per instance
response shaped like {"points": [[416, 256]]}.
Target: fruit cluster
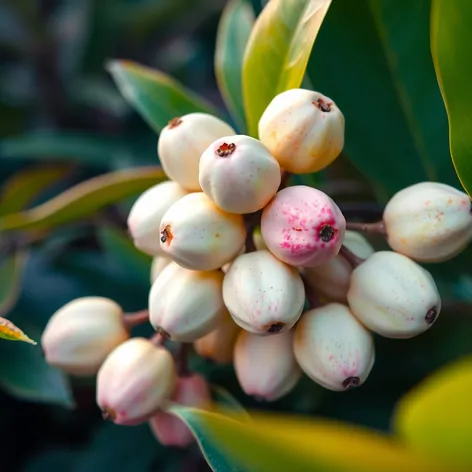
{"points": [[268, 277]]}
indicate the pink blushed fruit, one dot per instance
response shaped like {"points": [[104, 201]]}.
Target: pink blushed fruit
{"points": [[169, 430], [303, 226]]}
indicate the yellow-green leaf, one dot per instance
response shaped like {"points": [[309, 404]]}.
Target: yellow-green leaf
{"points": [[434, 417], [155, 95], [11, 332], [271, 443], [21, 189], [85, 199], [277, 52], [234, 30], [450, 35], [11, 270]]}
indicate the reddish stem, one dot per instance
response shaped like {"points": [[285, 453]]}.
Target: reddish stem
{"points": [[372, 228], [351, 257], [131, 320], [159, 338], [181, 360]]}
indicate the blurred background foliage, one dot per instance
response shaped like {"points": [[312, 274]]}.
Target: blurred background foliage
{"points": [[63, 121]]}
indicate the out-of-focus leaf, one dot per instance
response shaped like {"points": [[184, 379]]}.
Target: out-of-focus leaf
{"points": [[11, 270], [80, 147], [10, 331], [270, 442], [225, 399], [373, 59], [234, 29], [120, 248], [433, 419], [450, 31], [25, 374], [157, 97], [21, 189], [277, 52], [85, 199]]}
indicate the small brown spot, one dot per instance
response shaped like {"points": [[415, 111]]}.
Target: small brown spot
{"points": [[174, 123], [166, 235], [226, 149], [327, 233], [108, 414], [351, 382], [276, 327], [297, 229], [431, 316], [217, 235], [322, 105]]}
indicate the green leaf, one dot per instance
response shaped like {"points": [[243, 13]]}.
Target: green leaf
{"points": [[119, 247], [234, 29], [83, 148], [270, 442], [432, 417], [450, 31], [11, 332], [225, 399], [25, 374], [156, 96], [21, 189], [373, 59], [277, 52], [11, 270], [85, 199]]}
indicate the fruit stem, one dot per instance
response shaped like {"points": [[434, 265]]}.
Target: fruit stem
{"points": [[130, 320], [373, 228], [313, 300], [159, 338], [181, 360], [351, 257]]}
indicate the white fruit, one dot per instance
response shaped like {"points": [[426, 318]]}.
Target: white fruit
{"points": [[263, 295], [239, 174], [333, 348], [135, 380], [393, 295], [144, 219], [198, 235], [157, 266], [332, 279], [80, 335], [303, 129], [186, 304], [429, 222], [265, 365], [182, 142]]}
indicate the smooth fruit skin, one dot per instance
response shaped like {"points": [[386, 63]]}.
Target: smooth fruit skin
{"points": [[136, 379], [302, 226], [331, 280], [263, 295], [303, 129], [182, 142], [393, 296], [265, 365], [429, 222], [80, 335], [144, 219], [239, 174], [198, 235], [157, 266], [258, 239], [218, 345], [186, 304], [192, 391], [333, 348]]}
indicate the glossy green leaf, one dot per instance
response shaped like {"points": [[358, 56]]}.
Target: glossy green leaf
{"points": [[11, 270], [156, 96], [277, 52], [373, 59], [234, 30], [83, 148], [450, 31], [25, 374], [21, 189], [11, 332], [85, 199], [269, 443], [433, 419]]}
